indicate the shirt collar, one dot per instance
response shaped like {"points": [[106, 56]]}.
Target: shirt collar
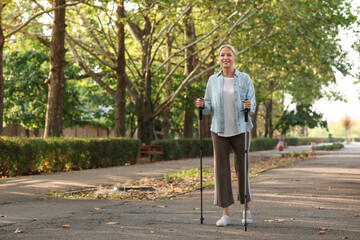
{"points": [[237, 73]]}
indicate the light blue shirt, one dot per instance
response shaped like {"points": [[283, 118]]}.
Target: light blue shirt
{"points": [[214, 102]]}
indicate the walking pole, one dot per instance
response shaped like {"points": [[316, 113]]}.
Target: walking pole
{"points": [[201, 172], [245, 165]]}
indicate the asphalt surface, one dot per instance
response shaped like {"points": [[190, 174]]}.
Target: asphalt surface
{"points": [[317, 198]]}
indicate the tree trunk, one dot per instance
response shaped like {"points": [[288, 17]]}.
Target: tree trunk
{"points": [[120, 99], [268, 118], [254, 121], [145, 123], [2, 41], [36, 132], [56, 80], [166, 121], [189, 67]]}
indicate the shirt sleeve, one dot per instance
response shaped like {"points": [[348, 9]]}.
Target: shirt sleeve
{"points": [[251, 95], [207, 99]]}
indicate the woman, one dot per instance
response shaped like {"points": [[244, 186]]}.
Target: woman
{"points": [[227, 94]]}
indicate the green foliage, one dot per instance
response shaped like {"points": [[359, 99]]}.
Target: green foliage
{"points": [[297, 141], [19, 156], [334, 146], [184, 148], [191, 173], [26, 94], [302, 154], [189, 148], [298, 59], [301, 116], [259, 144]]}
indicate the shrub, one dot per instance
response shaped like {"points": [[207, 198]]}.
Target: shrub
{"points": [[297, 141], [190, 147], [20, 156], [334, 146], [258, 144], [184, 148]]}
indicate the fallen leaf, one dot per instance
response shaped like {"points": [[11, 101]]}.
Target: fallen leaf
{"points": [[275, 220], [196, 208], [98, 208], [113, 223], [35, 219], [66, 226], [320, 208], [3, 216], [18, 230], [322, 232], [161, 206]]}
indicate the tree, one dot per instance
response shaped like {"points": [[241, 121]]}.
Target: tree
{"points": [[26, 94], [13, 27], [347, 124], [301, 116], [301, 60], [146, 81], [56, 80], [2, 42]]}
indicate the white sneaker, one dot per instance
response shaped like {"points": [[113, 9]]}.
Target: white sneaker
{"points": [[248, 217], [223, 222]]}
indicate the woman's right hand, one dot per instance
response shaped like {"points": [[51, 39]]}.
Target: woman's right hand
{"points": [[199, 103]]}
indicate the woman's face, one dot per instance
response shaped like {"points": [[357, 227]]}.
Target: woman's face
{"points": [[227, 58]]}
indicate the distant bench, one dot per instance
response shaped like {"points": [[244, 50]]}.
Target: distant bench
{"points": [[149, 151]]}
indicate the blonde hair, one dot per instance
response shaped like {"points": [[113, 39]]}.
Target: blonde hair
{"points": [[231, 48], [227, 46]]}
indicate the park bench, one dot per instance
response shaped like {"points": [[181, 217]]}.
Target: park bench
{"points": [[148, 151]]}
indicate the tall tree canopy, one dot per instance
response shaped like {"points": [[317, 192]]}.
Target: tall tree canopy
{"points": [[144, 62]]}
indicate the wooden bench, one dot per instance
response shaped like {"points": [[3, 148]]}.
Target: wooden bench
{"points": [[150, 150]]}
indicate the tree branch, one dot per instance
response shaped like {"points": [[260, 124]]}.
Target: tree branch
{"points": [[99, 42], [31, 36], [192, 75], [35, 16], [83, 65]]}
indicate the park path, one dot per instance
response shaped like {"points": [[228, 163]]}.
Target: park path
{"points": [[317, 198], [35, 186]]}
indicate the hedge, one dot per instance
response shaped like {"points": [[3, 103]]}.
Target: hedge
{"points": [[19, 156], [190, 147], [296, 141], [334, 146]]}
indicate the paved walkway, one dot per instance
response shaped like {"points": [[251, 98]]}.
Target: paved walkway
{"points": [[35, 186], [295, 202]]}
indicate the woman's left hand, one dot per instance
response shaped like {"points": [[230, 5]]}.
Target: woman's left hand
{"points": [[247, 104]]}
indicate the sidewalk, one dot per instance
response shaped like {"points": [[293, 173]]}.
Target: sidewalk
{"points": [[295, 202], [35, 186]]}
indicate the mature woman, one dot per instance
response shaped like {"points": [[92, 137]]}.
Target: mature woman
{"points": [[225, 98]]}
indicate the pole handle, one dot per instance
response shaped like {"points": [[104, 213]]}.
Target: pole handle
{"points": [[200, 111], [246, 110]]}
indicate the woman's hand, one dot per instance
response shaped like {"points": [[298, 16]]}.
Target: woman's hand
{"points": [[199, 103], [247, 104]]}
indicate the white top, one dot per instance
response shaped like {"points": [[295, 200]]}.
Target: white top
{"points": [[231, 128]]}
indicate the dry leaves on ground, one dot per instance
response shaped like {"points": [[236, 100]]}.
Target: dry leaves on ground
{"points": [[18, 230], [173, 184], [275, 220]]}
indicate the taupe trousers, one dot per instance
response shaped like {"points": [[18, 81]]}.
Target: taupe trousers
{"points": [[223, 190]]}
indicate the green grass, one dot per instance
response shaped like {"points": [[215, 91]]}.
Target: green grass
{"points": [[334, 146], [192, 173]]}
